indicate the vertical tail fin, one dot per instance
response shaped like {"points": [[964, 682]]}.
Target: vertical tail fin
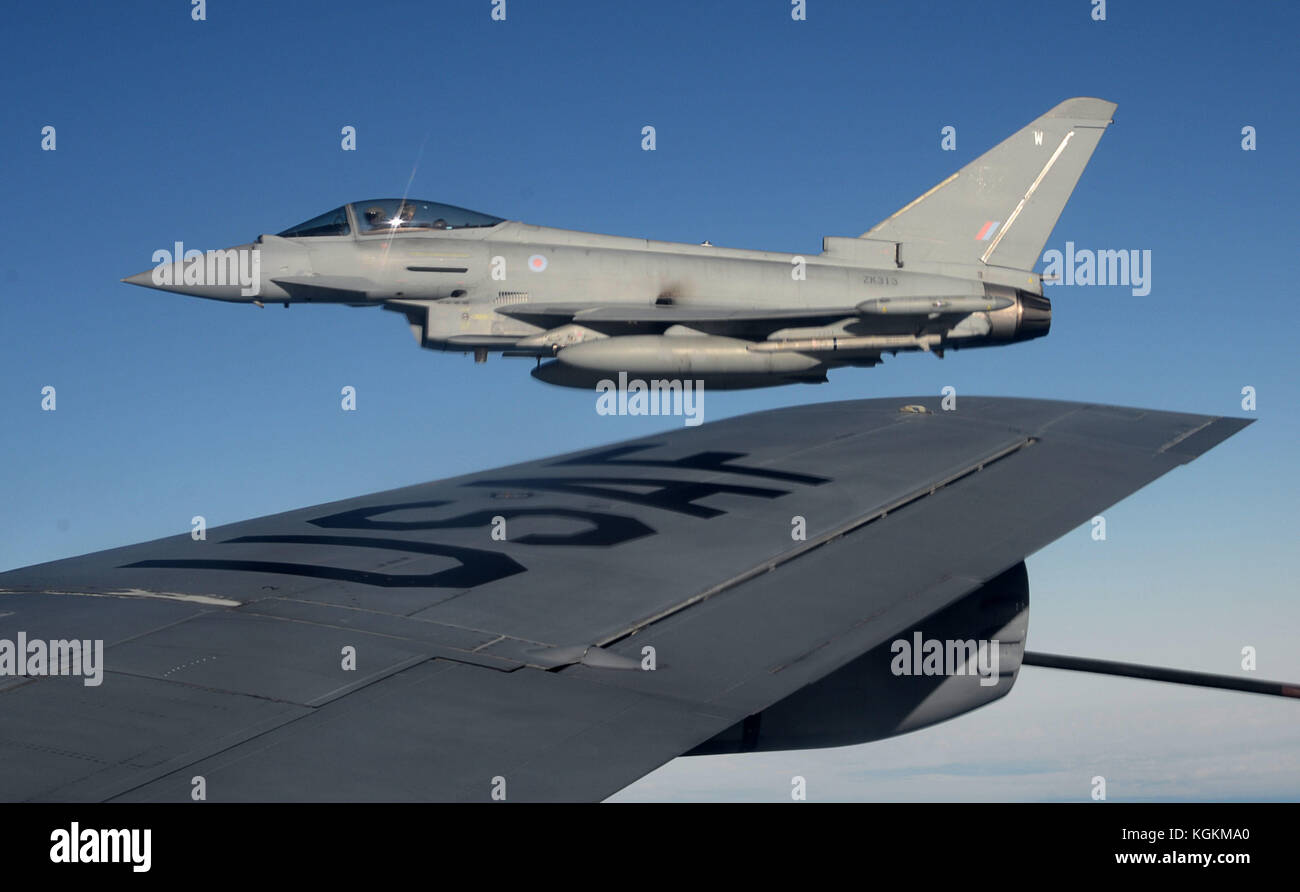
{"points": [[999, 209]]}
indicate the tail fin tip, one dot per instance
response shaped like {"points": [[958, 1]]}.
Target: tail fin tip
{"points": [[1084, 108]]}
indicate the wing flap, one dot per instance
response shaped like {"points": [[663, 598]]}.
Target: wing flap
{"points": [[445, 731]]}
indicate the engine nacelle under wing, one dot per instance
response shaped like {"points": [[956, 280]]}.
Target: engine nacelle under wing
{"points": [[882, 693]]}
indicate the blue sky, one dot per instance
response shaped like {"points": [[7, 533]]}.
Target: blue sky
{"points": [[771, 134]]}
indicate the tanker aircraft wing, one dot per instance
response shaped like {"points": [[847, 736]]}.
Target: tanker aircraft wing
{"points": [[559, 628]]}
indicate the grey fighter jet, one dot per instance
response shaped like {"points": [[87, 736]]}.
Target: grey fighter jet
{"points": [[953, 268]]}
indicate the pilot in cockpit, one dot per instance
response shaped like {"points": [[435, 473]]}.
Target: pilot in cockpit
{"points": [[375, 218]]}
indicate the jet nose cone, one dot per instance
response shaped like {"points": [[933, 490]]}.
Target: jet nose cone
{"points": [[232, 274], [144, 279]]}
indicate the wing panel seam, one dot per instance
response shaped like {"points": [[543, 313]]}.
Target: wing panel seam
{"points": [[819, 541]]}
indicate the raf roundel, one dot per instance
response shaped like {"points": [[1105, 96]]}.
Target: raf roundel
{"points": [[536, 263]]}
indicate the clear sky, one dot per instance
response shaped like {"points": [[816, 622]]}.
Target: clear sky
{"points": [[771, 133]]}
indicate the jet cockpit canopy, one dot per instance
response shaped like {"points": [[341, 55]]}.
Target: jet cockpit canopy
{"points": [[390, 215]]}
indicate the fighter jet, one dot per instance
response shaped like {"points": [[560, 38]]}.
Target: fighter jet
{"points": [[953, 268]]}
